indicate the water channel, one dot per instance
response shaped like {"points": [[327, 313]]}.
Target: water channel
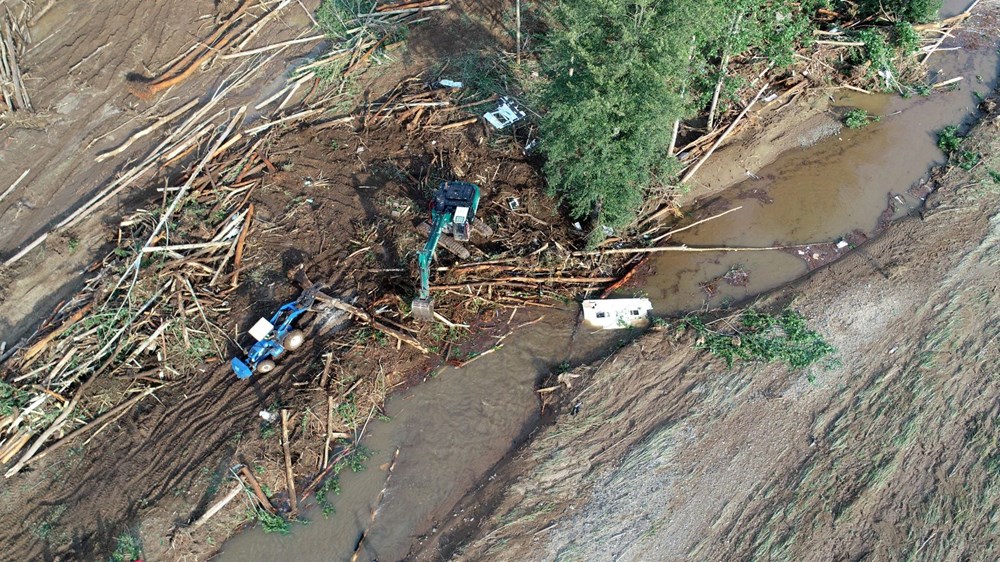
{"points": [[453, 428]]}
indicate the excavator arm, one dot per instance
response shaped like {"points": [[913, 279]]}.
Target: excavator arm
{"points": [[423, 306]]}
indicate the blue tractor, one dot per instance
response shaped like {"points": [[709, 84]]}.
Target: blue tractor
{"points": [[453, 211], [275, 336]]}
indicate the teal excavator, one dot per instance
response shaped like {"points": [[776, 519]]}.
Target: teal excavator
{"points": [[453, 211]]}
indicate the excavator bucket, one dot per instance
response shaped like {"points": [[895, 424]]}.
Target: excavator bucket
{"points": [[423, 310]]}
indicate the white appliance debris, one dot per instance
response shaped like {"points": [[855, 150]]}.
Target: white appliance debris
{"points": [[615, 314], [506, 113]]}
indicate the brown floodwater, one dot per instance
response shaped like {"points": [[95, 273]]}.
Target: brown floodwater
{"points": [[824, 192], [452, 429]]}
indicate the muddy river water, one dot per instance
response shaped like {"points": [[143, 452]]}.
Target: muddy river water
{"points": [[452, 429]]}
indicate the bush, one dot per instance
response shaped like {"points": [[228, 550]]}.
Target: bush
{"points": [[906, 38]]}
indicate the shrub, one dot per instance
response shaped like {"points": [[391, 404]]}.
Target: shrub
{"points": [[859, 118], [916, 11], [906, 38], [948, 139], [757, 336]]}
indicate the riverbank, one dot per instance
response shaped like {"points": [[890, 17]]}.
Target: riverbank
{"points": [[661, 453], [322, 197]]}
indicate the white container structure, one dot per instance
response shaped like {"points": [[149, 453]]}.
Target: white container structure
{"points": [[615, 314]]}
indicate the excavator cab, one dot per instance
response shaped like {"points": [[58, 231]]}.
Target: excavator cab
{"points": [[453, 212]]}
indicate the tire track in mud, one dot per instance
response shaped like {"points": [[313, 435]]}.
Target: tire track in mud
{"points": [[158, 449]]}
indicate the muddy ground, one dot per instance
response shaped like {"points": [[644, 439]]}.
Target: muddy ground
{"points": [[660, 452], [343, 200], [324, 199]]}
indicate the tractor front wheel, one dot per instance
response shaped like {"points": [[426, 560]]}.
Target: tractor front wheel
{"points": [[293, 340], [265, 366]]}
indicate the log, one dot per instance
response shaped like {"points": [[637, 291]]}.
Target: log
{"points": [[179, 247], [272, 47], [725, 134], [289, 475], [625, 278], [954, 20], [694, 224], [67, 410], [378, 504], [219, 505], [457, 124], [13, 186], [91, 424], [654, 249], [41, 344], [257, 491], [944, 83], [218, 41], [156, 125]]}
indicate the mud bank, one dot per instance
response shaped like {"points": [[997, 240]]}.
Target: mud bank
{"points": [[673, 456]]}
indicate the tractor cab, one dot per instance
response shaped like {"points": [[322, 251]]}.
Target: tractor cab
{"points": [[458, 201]]}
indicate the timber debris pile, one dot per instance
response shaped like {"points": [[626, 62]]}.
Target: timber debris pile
{"points": [[247, 227], [14, 36]]}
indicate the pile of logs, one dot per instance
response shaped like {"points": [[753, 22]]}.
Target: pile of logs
{"points": [[13, 35], [151, 314]]}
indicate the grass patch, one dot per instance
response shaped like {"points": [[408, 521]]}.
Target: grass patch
{"points": [[758, 336]]}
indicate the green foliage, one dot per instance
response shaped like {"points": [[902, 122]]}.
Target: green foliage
{"points": [[128, 547], [916, 11], [12, 398], [481, 74], [967, 159], [268, 430], [758, 336], [614, 93], [619, 74], [949, 139], [336, 17], [774, 28], [272, 523], [906, 38], [349, 413], [355, 460], [950, 142], [859, 118], [332, 484], [876, 51], [994, 175]]}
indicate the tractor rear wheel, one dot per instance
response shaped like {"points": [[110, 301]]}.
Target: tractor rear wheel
{"points": [[293, 340], [265, 366]]}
